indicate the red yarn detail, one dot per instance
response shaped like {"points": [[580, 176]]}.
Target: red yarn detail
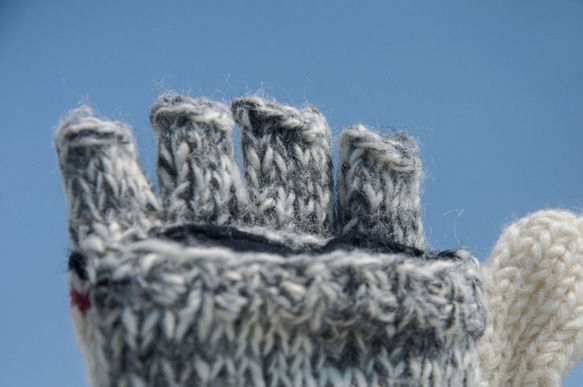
{"points": [[79, 300]]}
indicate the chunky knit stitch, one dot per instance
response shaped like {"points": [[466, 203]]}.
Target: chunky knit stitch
{"points": [[197, 172], [535, 285], [288, 168], [272, 285], [378, 186]]}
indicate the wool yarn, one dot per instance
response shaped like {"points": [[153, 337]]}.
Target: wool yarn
{"points": [[277, 283], [534, 278], [197, 173]]}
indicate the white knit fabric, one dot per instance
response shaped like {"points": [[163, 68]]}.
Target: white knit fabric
{"points": [[534, 280]]}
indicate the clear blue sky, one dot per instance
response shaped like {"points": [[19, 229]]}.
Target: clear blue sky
{"points": [[493, 90]]}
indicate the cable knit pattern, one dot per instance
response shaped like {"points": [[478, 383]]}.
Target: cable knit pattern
{"points": [[535, 284], [210, 289]]}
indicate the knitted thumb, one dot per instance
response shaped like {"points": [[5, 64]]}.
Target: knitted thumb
{"points": [[535, 306]]}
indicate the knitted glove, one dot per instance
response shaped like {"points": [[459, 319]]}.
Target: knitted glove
{"points": [[274, 284], [535, 302]]}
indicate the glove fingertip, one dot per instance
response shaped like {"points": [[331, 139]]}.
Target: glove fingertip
{"points": [[171, 112]]}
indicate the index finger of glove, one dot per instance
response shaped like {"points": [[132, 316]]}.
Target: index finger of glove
{"points": [[107, 192]]}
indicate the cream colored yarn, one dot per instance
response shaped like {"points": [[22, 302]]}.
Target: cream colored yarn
{"points": [[534, 333]]}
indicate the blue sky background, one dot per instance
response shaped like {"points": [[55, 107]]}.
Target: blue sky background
{"points": [[493, 90]]}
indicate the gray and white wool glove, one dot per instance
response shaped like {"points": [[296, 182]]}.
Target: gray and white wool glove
{"points": [[289, 281]]}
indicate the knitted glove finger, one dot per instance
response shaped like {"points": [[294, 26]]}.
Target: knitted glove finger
{"points": [[288, 167], [535, 285], [197, 173], [109, 203], [378, 186], [188, 295], [107, 191]]}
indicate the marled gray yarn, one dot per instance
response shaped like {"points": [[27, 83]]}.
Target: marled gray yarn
{"points": [[151, 311], [103, 181], [198, 175], [288, 167], [378, 185], [222, 318]]}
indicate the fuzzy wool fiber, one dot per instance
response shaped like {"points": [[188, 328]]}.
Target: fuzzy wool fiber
{"points": [[290, 280]]}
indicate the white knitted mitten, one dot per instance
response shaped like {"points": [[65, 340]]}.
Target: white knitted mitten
{"points": [[275, 284], [534, 279]]}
